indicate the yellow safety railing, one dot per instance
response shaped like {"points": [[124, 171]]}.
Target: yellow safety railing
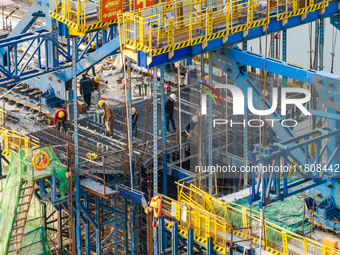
{"points": [[2, 117], [81, 16], [13, 140], [275, 239], [169, 26], [204, 224]]}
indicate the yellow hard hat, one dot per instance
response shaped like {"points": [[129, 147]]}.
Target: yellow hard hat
{"points": [[133, 110], [93, 43], [61, 115], [100, 103], [96, 78], [83, 73]]}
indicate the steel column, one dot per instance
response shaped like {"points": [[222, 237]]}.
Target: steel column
{"points": [[321, 44], [210, 123], [190, 242], [203, 118], [98, 231], [87, 227], [245, 137], [155, 152], [284, 53], [165, 155], [76, 142], [245, 141], [316, 45], [174, 238], [131, 155], [162, 235], [210, 246]]}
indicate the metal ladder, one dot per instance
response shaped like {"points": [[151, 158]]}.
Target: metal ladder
{"points": [[21, 218]]}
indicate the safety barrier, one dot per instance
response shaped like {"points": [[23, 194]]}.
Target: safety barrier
{"points": [[13, 140], [167, 27], [2, 117], [204, 224], [82, 16], [276, 240]]}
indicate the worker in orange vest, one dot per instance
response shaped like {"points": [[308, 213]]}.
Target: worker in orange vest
{"points": [[60, 119]]}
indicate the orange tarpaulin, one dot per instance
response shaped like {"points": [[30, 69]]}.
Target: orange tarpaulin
{"points": [[111, 9]]}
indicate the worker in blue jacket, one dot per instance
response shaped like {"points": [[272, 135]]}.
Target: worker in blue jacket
{"points": [[191, 125], [134, 122], [86, 89]]}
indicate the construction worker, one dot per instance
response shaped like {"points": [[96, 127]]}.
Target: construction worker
{"points": [[169, 113], [263, 8], [95, 81], [191, 125], [134, 122], [90, 50], [108, 117], [86, 89], [92, 47], [60, 119]]}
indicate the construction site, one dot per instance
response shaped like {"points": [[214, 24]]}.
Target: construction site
{"points": [[169, 127]]}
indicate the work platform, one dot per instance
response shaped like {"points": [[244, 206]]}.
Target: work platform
{"points": [[169, 32]]}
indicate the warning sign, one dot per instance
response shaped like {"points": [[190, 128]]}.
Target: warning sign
{"points": [[139, 4], [111, 9]]}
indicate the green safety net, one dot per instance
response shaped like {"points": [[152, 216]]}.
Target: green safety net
{"points": [[287, 214], [19, 170], [34, 242]]}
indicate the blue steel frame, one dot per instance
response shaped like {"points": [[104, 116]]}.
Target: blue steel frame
{"points": [[77, 180], [321, 44], [274, 186], [155, 150], [94, 222], [210, 123], [210, 117], [284, 53], [165, 155], [14, 69], [131, 154], [50, 75]]}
